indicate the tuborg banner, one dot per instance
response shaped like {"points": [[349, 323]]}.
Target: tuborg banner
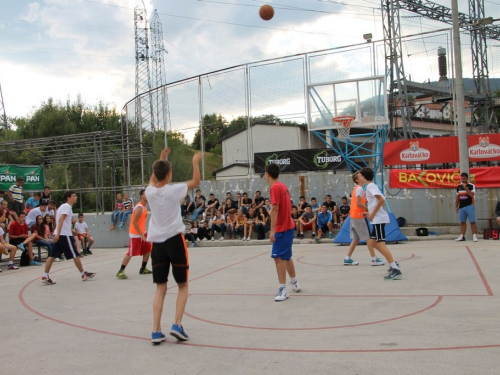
{"points": [[299, 160], [32, 174]]}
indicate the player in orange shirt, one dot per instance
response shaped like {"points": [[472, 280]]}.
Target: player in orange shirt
{"points": [[138, 243]]}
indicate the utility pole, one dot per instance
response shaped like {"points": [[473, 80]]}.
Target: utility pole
{"points": [[463, 148], [158, 77], [4, 125]]}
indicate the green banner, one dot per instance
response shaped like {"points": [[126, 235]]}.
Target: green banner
{"points": [[32, 174]]}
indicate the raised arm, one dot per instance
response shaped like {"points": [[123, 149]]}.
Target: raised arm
{"points": [[196, 171]]}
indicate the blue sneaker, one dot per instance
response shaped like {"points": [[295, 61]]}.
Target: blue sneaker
{"points": [[377, 262], [178, 332], [157, 337], [120, 226], [350, 262], [21, 247], [35, 263]]}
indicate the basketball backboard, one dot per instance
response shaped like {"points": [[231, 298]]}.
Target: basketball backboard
{"points": [[364, 98]]}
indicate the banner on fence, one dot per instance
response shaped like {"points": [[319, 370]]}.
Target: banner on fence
{"points": [[482, 147], [32, 174], [299, 160], [482, 177]]}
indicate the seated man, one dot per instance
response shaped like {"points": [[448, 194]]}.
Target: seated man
{"points": [[332, 207], [307, 222], [18, 236], [9, 250], [6, 217], [344, 210], [187, 206], [218, 225], [324, 223], [33, 202], [38, 211], [295, 218], [316, 207], [83, 234], [301, 207], [212, 205]]}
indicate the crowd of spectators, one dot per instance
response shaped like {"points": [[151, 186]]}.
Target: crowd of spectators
{"points": [[25, 224], [239, 218]]}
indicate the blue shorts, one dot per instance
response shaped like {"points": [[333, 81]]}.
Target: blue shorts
{"points": [[467, 212], [282, 247]]}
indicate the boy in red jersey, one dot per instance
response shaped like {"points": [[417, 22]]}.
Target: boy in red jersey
{"points": [[282, 230]]}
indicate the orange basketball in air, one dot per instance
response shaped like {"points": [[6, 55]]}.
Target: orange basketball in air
{"points": [[266, 12]]}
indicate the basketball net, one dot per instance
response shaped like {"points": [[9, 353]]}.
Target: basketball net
{"points": [[343, 126]]}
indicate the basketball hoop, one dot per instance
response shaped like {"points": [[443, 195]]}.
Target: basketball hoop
{"points": [[343, 126]]}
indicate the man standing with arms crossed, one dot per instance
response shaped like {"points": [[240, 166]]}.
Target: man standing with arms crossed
{"points": [[169, 246], [464, 206], [282, 230]]}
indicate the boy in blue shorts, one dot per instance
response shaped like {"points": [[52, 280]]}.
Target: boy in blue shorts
{"points": [[282, 230], [169, 246]]}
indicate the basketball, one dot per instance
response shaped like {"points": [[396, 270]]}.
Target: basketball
{"points": [[266, 12]]}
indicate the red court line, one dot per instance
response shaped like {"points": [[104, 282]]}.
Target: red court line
{"points": [[436, 302], [481, 274], [341, 265]]}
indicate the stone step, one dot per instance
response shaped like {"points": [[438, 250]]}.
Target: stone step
{"points": [[441, 229]]}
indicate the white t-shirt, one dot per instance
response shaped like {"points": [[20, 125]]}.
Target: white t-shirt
{"points": [[381, 217], [65, 209], [31, 218], [1, 232], [81, 228], [165, 204]]}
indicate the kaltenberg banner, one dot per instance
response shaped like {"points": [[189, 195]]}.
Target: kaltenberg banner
{"points": [[299, 160], [482, 147], [482, 177]]}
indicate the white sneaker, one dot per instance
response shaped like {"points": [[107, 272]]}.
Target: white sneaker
{"points": [[222, 238], [295, 285], [248, 238], [213, 238], [282, 294], [57, 260], [460, 238], [474, 238]]}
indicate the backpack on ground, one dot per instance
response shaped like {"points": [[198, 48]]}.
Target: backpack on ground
{"points": [[25, 259]]}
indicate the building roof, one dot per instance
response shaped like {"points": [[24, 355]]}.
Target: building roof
{"points": [[244, 165], [260, 123]]}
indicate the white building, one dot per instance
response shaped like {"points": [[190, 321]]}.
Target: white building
{"points": [[238, 148]]}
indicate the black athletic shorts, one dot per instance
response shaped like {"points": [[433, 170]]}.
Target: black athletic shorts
{"points": [[173, 251], [64, 245], [378, 232]]}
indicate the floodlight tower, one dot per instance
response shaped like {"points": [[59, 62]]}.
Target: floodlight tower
{"points": [[144, 115], [4, 125], [158, 76]]}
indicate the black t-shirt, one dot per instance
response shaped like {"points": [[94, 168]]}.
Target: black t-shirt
{"points": [[200, 201], [330, 205], [210, 202], [344, 210], [246, 202], [251, 218], [258, 201], [464, 199], [45, 199]]}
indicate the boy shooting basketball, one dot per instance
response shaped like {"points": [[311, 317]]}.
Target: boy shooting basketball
{"points": [[282, 230], [169, 246]]}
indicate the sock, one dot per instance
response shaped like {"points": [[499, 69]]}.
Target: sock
{"points": [[374, 258], [122, 268], [144, 265], [282, 286], [301, 232], [10, 262], [347, 257], [293, 279], [394, 265], [45, 274], [83, 272]]}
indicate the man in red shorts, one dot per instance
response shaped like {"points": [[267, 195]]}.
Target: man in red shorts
{"points": [[282, 230], [137, 243]]}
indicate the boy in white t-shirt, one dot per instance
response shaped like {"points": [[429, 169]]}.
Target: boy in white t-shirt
{"points": [[64, 242], [378, 217], [166, 232], [82, 230]]}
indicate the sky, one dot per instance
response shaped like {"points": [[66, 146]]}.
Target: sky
{"points": [[64, 48]]}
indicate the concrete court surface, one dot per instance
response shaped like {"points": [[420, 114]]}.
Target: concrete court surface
{"points": [[443, 317]]}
